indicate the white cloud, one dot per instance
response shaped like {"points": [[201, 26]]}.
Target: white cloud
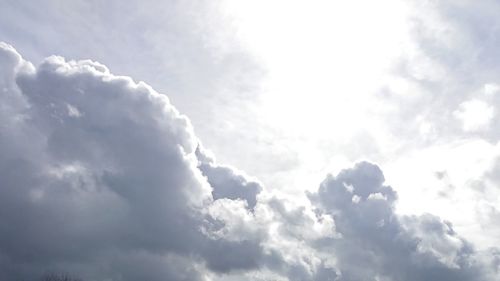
{"points": [[475, 115], [491, 89]]}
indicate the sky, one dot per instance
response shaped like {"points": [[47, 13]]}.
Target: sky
{"points": [[250, 140]]}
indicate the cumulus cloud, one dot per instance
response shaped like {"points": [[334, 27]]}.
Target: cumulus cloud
{"points": [[226, 182], [377, 244], [103, 178], [95, 166]]}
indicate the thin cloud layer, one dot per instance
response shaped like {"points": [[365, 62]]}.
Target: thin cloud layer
{"points": [[102, 177], [445, 100]]}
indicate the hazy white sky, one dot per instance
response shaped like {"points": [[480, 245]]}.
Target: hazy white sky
{"points": [[409, 85], [281, 93]]}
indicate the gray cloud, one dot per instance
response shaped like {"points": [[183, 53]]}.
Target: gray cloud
{"points": [[226, 182], [186, 49], [103, 178], [377, 244], [94, 167]]}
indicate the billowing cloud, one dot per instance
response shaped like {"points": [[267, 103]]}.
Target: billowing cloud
{"points": [[93, 167], [103, 178], [226, 182], [376, 244]]}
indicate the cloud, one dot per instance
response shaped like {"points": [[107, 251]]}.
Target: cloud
{"points": [[103, 178], [226, 182], [187, 49], [474, 114], [446, 78], [95, 166], [377, 244], [447, 99]]}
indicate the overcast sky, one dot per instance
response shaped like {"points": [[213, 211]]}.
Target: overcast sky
{"points": [[250, 140]]}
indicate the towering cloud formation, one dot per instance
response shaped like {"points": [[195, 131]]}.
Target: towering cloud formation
{"points": [[93, 167], [103, 178]]}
